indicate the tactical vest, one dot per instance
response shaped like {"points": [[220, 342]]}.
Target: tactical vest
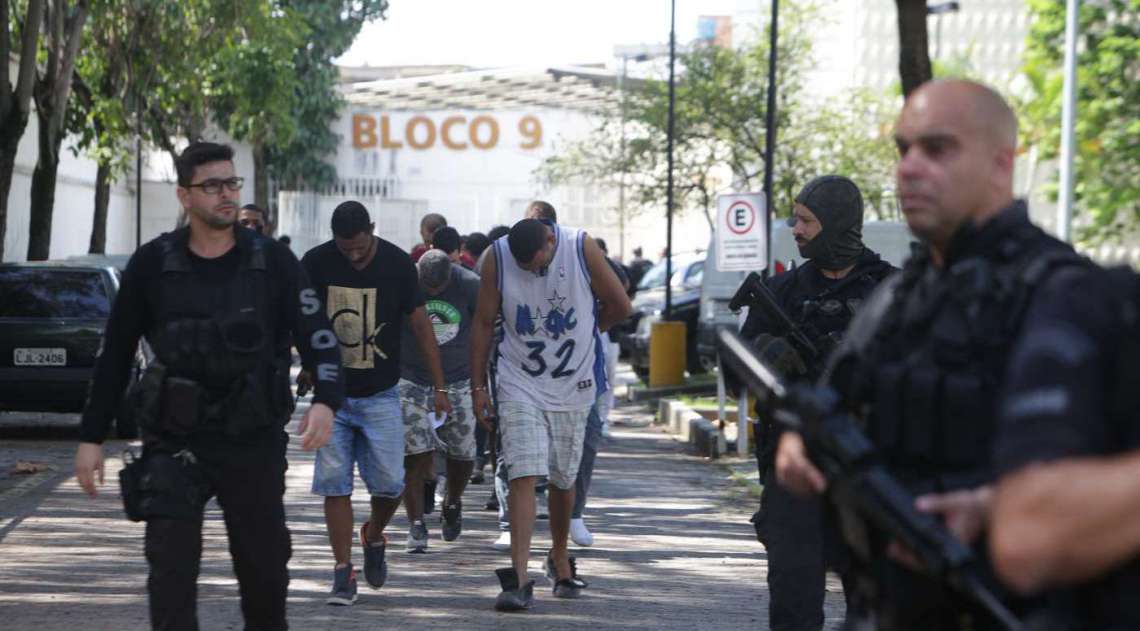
{"points": [[938, 356], [217, 337], [825, 316]]}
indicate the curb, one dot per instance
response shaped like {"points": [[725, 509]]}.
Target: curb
{"points": [[690, 427]]}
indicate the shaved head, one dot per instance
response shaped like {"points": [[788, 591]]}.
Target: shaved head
{"points": [[957, 142]]}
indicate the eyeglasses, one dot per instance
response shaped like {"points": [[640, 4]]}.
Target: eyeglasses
{"points": [[214, 186]]}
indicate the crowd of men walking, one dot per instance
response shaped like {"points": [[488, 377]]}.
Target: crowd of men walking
{"points": [[994, 375]]}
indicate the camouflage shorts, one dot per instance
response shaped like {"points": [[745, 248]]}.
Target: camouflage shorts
{"points": [[456, 435]]}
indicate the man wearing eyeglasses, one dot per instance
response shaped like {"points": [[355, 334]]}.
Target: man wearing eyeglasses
{"points": [[219, 306]]}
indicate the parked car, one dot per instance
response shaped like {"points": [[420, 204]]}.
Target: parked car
{"points": [[52, 319], [649, 303], [891, 239]]}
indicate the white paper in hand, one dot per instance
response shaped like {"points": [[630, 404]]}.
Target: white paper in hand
{"points": [[436, 423]]}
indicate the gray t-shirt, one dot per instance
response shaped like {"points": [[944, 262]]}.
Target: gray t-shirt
{"points": [[450, 313]]}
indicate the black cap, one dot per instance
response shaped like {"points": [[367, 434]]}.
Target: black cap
{"points": [[525, 239]]}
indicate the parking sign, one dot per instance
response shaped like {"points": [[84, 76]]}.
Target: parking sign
{"points": [[741, 233]]}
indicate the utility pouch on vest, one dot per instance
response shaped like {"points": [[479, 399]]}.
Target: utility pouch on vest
{"points": [[171, 486], [181, 406], [143, 401], [130, 485]]}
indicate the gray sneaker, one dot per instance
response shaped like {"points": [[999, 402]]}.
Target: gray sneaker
{"points": [[513, 597], [418, 537], [344, 586], [452, 520], [375, 566]]}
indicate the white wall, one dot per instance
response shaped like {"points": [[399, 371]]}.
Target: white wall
{"points": [[72, 215]]}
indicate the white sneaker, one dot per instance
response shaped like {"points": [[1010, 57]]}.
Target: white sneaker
{"points": [[579, 534], [503, 543], [606, 430]]}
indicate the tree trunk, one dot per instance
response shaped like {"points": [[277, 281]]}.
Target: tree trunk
{"points": [[914, 56], [260, 178], [11, 129], [15, 104], [102, 201], [43, 191]]}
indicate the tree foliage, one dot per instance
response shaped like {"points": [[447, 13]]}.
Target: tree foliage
{"points": [[719, 143], [315, 104], [1107, 156]]}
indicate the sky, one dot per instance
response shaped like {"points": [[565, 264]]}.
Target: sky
{"points": [[489, 33]]}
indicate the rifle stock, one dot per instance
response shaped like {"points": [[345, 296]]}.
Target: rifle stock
{"points": [[858, 484]]}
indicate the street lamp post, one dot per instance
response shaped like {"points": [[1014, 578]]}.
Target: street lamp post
{"points": [[937, 10], [1068, 121]]}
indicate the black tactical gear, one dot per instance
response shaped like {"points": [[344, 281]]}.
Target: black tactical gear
{"points": [[838, 205], [222, 368], [797, 532], [927, 363], [1071, 392], [212, 406], [937, 357]]}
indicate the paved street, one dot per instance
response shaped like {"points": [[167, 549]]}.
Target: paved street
{"points": [[673, 551]]}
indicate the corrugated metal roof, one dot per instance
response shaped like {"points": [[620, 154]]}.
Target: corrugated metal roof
{"points": [[575, 88]]}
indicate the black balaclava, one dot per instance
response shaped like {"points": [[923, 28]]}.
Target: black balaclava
{"points": [[837, 204]]}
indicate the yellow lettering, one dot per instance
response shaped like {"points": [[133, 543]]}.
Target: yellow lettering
{"points": [[445, 132], [386, 136], [493, 135], [363, 131], [410, 132], [531, 129]]}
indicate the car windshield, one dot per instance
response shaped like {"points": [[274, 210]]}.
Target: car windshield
{"points": [[655, 277], [51, 293]]}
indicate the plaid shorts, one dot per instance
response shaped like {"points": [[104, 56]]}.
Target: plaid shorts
{"points": [[538, 442], [456, 435]]}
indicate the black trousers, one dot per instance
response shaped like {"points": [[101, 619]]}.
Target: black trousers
{"points": [[802, 545], [248, 479]]}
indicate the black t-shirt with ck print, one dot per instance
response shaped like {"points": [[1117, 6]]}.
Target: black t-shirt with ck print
{"points": [[367, 308]]}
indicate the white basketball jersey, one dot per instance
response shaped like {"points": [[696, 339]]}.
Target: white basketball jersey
{"points": [[550, 352]]}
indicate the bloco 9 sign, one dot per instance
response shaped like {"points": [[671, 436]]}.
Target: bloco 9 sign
{"points": [[456, 132]]}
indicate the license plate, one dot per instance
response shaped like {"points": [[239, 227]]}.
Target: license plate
{"points": [[40, 357]]}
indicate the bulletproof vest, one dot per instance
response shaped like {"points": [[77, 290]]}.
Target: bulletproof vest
{"points": [[1124, 408], [938, 356], [825, 315], [209, 333]]}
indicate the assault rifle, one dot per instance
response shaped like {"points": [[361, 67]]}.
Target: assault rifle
{"points": [[860, 487], [756, 295]]}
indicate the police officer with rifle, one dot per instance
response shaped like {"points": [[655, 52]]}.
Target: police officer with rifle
{"points": [[800, 321], [924, 364], [867, 498], [219, 304]]}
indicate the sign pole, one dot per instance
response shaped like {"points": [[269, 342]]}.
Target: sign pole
{"points": [[669, 178], [770, 121]]}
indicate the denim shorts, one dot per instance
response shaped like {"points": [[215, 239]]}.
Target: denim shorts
{"points": [[370, 432]]}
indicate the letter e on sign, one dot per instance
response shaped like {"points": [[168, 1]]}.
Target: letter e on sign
{"points": [[740, 217]]}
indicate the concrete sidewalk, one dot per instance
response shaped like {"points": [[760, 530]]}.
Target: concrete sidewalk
{"points": [[673, 550]]}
